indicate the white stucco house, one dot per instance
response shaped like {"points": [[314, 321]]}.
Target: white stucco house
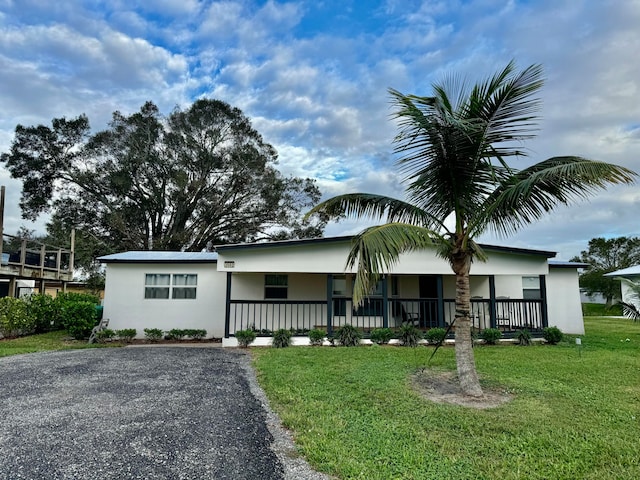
{"points": [[302, 284], [632, 274]]}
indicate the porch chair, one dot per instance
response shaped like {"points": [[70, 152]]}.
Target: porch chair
{"points": [[402, 317]]}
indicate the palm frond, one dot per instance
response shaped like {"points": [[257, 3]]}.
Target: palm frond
{"points": [[375, 250], [630, 309], [532, 192], [377, 207]]}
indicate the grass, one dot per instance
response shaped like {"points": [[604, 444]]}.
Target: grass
{"points": [[45, 342], [575, 413], [601, 310]]}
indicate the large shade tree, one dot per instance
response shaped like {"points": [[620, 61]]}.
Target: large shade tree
{"points": [[199, 176], [454, 148]]}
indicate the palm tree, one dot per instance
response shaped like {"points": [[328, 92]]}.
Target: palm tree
{"points": [[454, 147]]}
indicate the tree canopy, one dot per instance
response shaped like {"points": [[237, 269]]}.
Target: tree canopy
{"points": [[197, 177], [605, 256], [454, 146]]}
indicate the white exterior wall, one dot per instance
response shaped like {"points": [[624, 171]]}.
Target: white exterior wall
{"points": [[331, 257], [126, 307], [563, 301]]}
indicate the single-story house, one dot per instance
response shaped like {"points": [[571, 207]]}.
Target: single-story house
{"points": [[632, 274], [303, 284]]}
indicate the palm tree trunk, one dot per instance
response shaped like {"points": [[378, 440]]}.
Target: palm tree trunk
{"points": [[465, 361]]}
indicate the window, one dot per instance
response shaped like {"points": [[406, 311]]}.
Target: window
{"points": [[157, 285], [276, 286], [531, 288], [176, 286], [184, 286]]}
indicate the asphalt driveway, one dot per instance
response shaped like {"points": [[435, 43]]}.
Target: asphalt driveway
{"points": [[139, 413]]}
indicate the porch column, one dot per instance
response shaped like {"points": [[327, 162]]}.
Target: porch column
{"points": [[492, 301], [385, 301], [329, 303], [227, 309], [543, 303], [440, 288]]}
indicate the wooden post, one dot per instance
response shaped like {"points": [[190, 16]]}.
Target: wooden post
{"points": [[73, 252], [23, 255], [43, 253]]}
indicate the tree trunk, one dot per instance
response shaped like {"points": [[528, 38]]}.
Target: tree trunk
{"points": [[465, 361]]}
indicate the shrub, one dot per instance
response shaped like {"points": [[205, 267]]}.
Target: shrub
{"points": [[77, 297], [43, 311], [175, 334], [153, 334], [316, 336], [349, 336], [79, 318], [126, 334], [435, 335], [14, 318], [490, 335], [105, 335], [281, 338], [409, 335], [523, 337], [552, 335], [245, 337], [381, 335], [196, 334]]}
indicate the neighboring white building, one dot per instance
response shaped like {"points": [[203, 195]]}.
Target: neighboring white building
{"points": [[302, 284], [632, 274]]}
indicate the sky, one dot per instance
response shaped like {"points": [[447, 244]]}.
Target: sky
{"points": [[313, 77]]}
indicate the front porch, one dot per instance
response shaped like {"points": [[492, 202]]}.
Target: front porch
{"points": [[434, 306]]}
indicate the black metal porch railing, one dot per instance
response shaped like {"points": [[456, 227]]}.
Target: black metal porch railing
{"points": [[267, 316]]}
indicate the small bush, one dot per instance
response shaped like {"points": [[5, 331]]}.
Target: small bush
{"points": [[381, 335], [491, 335], [281, 338], [196, 333], [435, 335], [409, 335], [105, 335], [153, 334], [552, 335], [43, 311], [349, 336], [523, 337], [79, 318], [316, 336], [175, 334], [126, 334], [245, 337], [15, 320]]}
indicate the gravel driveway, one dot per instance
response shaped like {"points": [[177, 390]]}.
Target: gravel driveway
{"points": [[139, 413]]}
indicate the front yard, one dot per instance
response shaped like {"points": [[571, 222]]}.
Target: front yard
{"points": [[575, 411]]}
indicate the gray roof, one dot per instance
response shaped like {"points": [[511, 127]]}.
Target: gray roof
{"points": [[311, 241], [635, 270], [160, 257]]}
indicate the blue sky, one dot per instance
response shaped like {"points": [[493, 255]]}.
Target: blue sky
{"points": [[313, 77]]}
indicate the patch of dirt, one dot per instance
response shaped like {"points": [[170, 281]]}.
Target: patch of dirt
{"points": [[443, 387]]}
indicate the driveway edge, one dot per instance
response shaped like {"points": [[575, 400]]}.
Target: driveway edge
{"points": [[295, 467]]}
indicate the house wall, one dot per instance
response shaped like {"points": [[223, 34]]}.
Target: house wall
{"points": [[331, 258], [563, 300], [126, 307]]}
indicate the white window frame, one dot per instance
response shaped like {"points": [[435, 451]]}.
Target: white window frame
{"points": [[180, 286]]}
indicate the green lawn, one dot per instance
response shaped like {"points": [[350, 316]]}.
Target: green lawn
{"points": [[576, 413], [43, 342]]}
